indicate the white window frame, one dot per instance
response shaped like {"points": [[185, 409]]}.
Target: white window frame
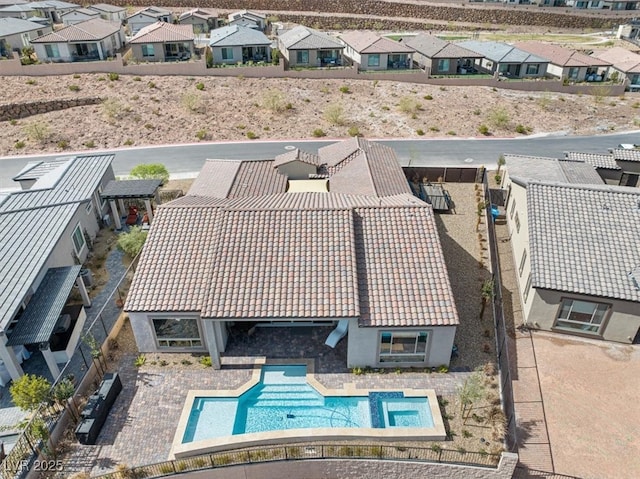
{"points": [[527, 288], [522, 262], [78, 230], [89, 207], [593, 327], [393, 357], [513, 208], [517, 222]]}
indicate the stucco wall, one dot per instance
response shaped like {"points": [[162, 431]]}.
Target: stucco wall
{"points": [[217, 55], [621, 326], [357, 469], [142, 326], [297, 170]]}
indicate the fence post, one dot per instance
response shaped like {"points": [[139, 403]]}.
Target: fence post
{"points": [[286, 454], [106, 333]]}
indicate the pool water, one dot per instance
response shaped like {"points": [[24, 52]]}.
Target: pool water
{"points": [[284, 400]]}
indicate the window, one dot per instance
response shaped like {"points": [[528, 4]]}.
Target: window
{"points": [[374, 60], [302, 56], [148, 50], [443, 65], [522, 262], [533, 69], [527, 288], [403, 347], [227, 53], [78, 239], [513, 208], [573, 73], [177, 333], [581, 316], [629, 179], [517, 220], [52, 51], [89, 207], [40, 33]]}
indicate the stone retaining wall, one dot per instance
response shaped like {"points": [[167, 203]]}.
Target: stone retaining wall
{"points": [[13, 111], [558, 17]]}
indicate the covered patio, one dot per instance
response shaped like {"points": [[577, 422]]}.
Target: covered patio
{"points": [[119, 190]]}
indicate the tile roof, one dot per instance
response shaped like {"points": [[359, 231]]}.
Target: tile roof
{"points": [[161, 32], [537, 168], [305, 38], [369, 42], [432, 46], [154, 12], [247, 13], [94, 29], [32, 222], [596, 160], [17, 8], [12, 26], [561, 56], [297, 155], [625, 154], [84, 11], [621, 59], [235, 35], [131, 189], [584, 239], [199, 13], [502, 52], [57, 4], [105, 7]]}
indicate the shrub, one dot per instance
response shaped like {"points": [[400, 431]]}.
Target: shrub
{"points": [[63, 144], [409, 105], [128, 142], [353, 131], [498, 117], [133, 241], [420, 132], [451, 133], [434, 128], [483, 129], [74, 88], [200, 86], [344, 89], [428, 97], [37, 131], [19, 145], [113, 76], [201, 135], [31, 81], [385, 108], [251, 135], [29, 391], [90, 144], [273, 100], [140, 360], [112, 109], [319, 133], [13, 122], [151, 84], [191, 101], [137, 79], [522, 129], [205, 361], [334, 114], [147, 171]]}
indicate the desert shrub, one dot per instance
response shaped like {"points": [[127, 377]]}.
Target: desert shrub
{"points": [[434, 128], [74, 88], [133, 241], [318, 133], [273, 100], [37, 131], [200, 86], [201, 135], [205, 361], [428, 97], [344, 89], [353, 131], [524, 130], [151, 84], [420, 132], [147, 171], [113, 76], [334, 114], [19, 145], [128, 142], [112, 109], [483, 129], [191, 101], [409, 105], [498, 117], [90, 144], [251, 135], [137, 79], [63, 144]]}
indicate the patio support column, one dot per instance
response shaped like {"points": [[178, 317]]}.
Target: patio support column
{"points": [[100, 51], [86, 301], [9, 358], [116, 214], [212, 344], [121, 206], [147, 204], [51, 362]]}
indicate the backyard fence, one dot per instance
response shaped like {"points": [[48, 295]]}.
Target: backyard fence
{"points": [[310, 452], [85, 370], [502, 348]]}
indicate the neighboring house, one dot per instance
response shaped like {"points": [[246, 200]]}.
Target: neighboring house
{"points": [[249, 19], [574, 242], [110, 12], [23, 11], [604, 4], [53, 9], [629, 163], [79, 15], [234, 44], [45, 231], [372, 52], [625, 65], [506, 60], [566, 63], [629, 31], [148, 16], [303, 46], [353, 245], [605, 165], [441, 57], [202, 21], [163, 42], [16, 33], [92, 40]]}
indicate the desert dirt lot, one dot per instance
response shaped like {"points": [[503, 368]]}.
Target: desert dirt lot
{"points": [[153, 110]]}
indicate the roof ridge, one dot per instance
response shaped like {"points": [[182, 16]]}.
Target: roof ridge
{"points": [[585, 186]]}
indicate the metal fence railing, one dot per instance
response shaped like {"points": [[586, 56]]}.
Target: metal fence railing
{"points": [[309, 452], [88, 352], [502, 348]]}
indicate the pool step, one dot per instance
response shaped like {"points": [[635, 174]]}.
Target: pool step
{"points": [[288, 403]]}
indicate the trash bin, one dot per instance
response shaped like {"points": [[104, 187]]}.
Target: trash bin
{"points": [[87, 277]]}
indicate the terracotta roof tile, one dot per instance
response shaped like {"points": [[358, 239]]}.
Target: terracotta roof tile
{"points": [[94, 29], [161, 32]]}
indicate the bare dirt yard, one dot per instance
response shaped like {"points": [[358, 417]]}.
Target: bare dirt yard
{"points": [[153, 110]]}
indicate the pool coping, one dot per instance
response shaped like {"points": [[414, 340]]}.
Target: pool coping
{"points": [[180, 450]]}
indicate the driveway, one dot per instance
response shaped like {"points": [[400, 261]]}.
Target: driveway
{"points": [[591, 395]]}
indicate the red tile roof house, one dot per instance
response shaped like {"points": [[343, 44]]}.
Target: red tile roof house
{"points": [[163, 42], [372, 52], [566, 63], [352, 245], [626, 65]]}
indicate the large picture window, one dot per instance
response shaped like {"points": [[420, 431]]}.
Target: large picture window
{"points": [[443, 65], [148, 50], [177, 332], [227, 53], [581, 316], [302, 56], [403, 347], [373, 60], [78, 239]]}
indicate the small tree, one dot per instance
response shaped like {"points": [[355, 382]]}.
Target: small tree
{"points": [[133, 241], [147, 171], [469, 393], [30, 391], [62, 392], [501, 163], [487, 294]]}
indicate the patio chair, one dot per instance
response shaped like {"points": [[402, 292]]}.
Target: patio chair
{"points": [[337, 334]]}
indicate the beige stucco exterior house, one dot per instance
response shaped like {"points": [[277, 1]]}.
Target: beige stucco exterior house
{"points": [[440, 57], [574, 241], [302, 46], [352, 247], [162, 42], [236, 44], [372, 52]]}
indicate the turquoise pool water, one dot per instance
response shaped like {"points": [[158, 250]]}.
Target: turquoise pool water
{"points": [[284, 400]]}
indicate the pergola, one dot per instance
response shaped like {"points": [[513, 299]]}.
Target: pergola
{"points": [[130, 189]]}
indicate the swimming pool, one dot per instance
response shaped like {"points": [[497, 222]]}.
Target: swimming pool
{"points": [[283, 399], [284, 403]]}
